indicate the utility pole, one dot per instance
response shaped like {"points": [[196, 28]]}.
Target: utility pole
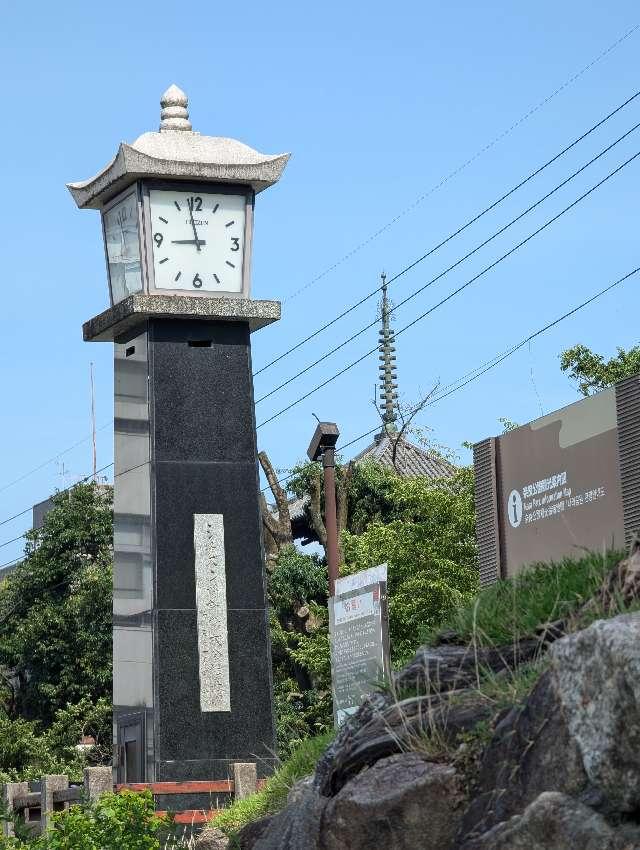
{"points": [[323, 445], [93, 424]]}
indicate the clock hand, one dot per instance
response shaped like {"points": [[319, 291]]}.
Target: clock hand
{"points": [[193, 224], [188, 242]]}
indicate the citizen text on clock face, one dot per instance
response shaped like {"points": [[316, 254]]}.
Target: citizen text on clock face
{"points": [[198, 240]]}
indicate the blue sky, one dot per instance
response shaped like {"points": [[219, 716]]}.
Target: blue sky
{"points": [[377, 103]]}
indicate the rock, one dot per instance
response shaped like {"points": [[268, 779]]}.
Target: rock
{"points": [[597, 672], [249, 834], [299, 789], [383, 727], [401, 803], [212, 839], [442, 668], [554, 822], [297, 827], [530, 752]]}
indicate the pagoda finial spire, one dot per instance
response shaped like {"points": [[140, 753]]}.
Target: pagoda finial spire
{"points": [[387, 356], [174, 114]]}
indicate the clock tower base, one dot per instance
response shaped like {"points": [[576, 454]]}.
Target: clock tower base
{"points": [[192, 658]]}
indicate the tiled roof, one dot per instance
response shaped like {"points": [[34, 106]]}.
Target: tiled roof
{"points": [[411, 460]]}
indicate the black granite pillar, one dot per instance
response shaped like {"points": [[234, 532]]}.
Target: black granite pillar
{"points": [[202, 460]]}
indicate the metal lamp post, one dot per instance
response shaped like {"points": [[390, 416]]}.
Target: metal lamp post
{"points": [[323, 445]]}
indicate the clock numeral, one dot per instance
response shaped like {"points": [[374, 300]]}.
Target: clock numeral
{"points": [[195, 204], [197, 281], [235, 243], [158, 238]]}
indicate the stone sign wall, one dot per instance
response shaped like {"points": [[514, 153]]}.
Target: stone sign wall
{"points": [[359, 632]]}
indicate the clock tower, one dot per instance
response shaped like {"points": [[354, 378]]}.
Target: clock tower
{"points": [[192, 686]]}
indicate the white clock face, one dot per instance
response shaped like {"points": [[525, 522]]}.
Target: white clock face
{"points": [[123, 248], [198, 240]]}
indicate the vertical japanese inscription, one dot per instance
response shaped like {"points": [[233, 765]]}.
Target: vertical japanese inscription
{"points": [[211, 606]]}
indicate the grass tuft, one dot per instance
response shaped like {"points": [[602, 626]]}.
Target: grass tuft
{"points": [[514, 608], [273, 796]]}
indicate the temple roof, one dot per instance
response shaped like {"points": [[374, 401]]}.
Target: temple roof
{"points": [[411, 461]]}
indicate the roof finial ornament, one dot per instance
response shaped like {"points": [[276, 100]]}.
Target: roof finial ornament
{"points": [[174, 114], [388, 375]]}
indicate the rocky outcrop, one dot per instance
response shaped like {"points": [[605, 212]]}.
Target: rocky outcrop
{"points": [[386, 725], [249, 834], [530, 752], [556, 822], [597, 672], [212, 839], [384, 806], [447, 668], [296, 827], [401, 803], [558, 770]]}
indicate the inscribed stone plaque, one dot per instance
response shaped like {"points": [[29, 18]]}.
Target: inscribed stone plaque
{"points": [[359, 631], [211, 604]]}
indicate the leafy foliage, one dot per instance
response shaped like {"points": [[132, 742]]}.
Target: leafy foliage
{"points": [[592, 372], [298, 579], [55, 608], [114, 822], [300, 648], [55, 641], [28, 752], [428, 543], [372, 495]]}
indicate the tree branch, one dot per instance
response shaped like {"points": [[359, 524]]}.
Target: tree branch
{"points": [[406, 418]]}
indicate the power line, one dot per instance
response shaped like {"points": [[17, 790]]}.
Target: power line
{"points": [[572, 79], [499, 358], [15, 516], [467, 163], [451, 236], [455, 292], [476, 373], [369, 295], [439, 276], [66, 490], [47, 462]]}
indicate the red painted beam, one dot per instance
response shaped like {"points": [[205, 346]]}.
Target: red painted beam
{"points": [[196, 787], [193, 816]]}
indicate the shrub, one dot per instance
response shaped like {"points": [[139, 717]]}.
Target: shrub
{"points": [[124, 821]]}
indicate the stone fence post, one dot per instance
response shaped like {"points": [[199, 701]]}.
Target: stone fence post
{"points": [[49, 784], [11, 790], [245, 779], [97, 781]]}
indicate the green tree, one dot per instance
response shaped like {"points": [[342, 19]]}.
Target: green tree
{"points": [[423, 529], [299, 647], [592, 372], [428, 543], [55, 608]]}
